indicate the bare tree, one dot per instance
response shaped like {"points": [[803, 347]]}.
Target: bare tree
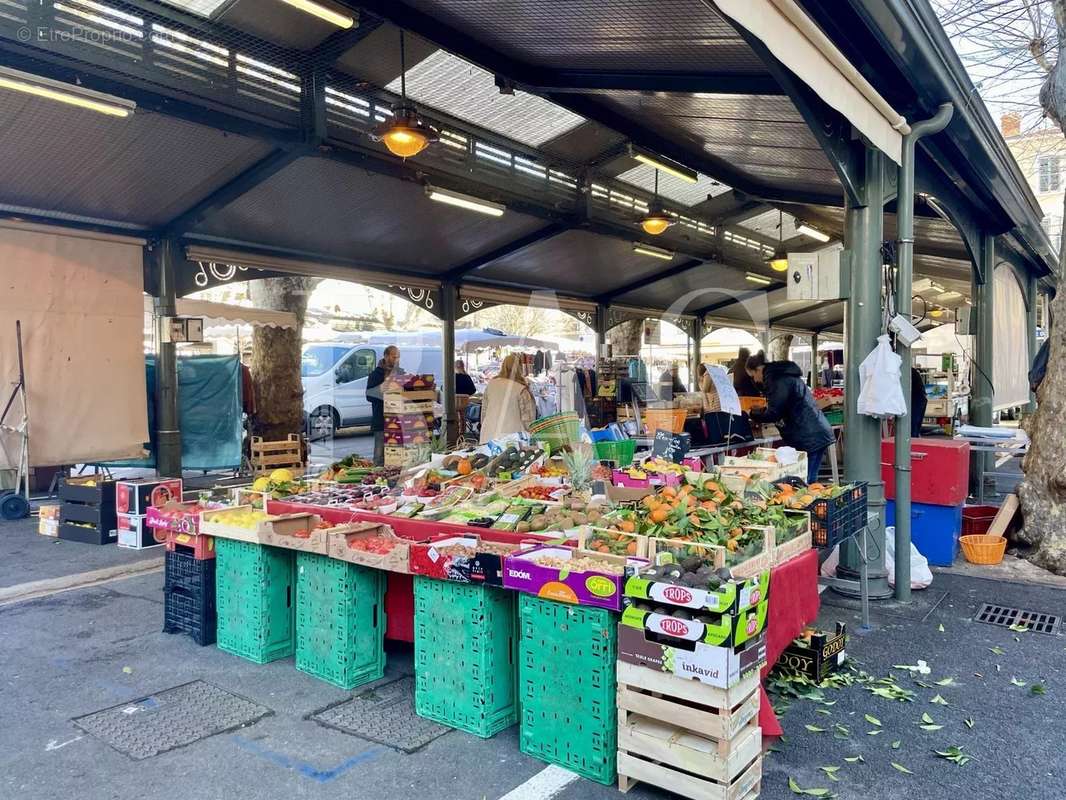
{"points": [[1009, 45], [626, 337]]}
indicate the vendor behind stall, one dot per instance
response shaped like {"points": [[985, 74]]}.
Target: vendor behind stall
{"points": [[791, 405], [508, 405], [742, 382], [390, 361]]}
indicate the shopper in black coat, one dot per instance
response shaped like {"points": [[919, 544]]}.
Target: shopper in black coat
{"points": [[789, 402]]}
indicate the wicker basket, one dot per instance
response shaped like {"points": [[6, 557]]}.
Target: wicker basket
{"points": [[665, 419], [558, 431], [983, 548]]}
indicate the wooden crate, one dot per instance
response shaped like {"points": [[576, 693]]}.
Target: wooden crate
{"points": [[720, 714], [795, 546], [634, 769], [269, 456]]}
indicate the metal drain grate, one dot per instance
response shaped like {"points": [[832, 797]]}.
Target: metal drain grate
{"points": [[384, 714], [1035, 621], [170, 719]]}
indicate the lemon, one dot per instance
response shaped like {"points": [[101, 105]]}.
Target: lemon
{"points": [[281, 476], [262, 484]]}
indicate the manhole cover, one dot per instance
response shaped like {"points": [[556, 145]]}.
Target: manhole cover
{"points": [[384, 714], [1035, 621], [172, 718]]}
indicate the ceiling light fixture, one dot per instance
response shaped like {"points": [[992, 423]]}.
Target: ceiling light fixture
{"points": [[322, 12], [406, 134], [656, 221], [651, 250], [664, 164], [67, 93], [814, 233], [778, 262], [465, 201], [754, 277], [937, 312]]}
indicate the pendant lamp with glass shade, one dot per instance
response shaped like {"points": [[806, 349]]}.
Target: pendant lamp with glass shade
{"points": [[656, 221], [779, 261], [406, 134]]}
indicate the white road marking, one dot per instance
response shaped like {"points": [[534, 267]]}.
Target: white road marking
{"points": [[544, 785], [55, 744], [44, 588]]}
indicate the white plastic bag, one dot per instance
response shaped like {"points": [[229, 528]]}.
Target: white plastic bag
{"points": [[880, 392], [921, 575]]}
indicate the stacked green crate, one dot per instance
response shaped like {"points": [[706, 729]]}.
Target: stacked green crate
{"points": [[254, 600], [340, 620], [566, 686], [464, 655]]}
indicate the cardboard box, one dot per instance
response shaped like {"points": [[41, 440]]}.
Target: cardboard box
{"points": [[48, 512], [136, 497], [134, 533], [723, 630], [523, 573], [341, 538], [819, 656], [722, 667], [294, 532], [483, 566], [48, 527], [733, 597], [177, 517]]}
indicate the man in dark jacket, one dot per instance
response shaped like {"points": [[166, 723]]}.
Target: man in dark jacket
{"points": [[742, 382], [389, 362], [789, 402]]}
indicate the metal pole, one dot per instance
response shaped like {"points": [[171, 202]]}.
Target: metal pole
{"points": [[981, 393], [448, 296], [167, 253], [601, 330], [812, 378], [1032, 299], [904, 292], [864, 226], [697, 350]]}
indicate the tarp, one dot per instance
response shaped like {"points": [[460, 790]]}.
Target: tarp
{"points": [[1010, 354], [225, 313], [79, 299], [209, 398]]}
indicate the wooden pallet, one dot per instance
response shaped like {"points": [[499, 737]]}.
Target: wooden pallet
{"points": [[269, 456]]}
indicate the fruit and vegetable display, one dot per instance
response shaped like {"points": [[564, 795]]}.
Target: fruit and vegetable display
{"points": [[238, 517], [377, 543], [581, 563], [551, 469], [538, 492], [513, 460], [663, 467], [788, 494], [565, 516], [464, 465], [612, 542], [354, 469]]}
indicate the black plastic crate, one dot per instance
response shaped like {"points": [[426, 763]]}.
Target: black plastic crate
{"points": [[182, 571], [97, 535], [186, 612], [78, 490], [835, 519]]}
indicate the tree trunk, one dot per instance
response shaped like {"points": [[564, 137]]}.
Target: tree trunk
{"points": [[779, 347], [1043, 490], [275, 363], [626, 337]]}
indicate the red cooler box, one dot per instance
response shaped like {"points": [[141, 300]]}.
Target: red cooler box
{"points": [[940, 471]]}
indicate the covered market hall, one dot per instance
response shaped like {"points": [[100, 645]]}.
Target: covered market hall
{"points": [[682, 160]]}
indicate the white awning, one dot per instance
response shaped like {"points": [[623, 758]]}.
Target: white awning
{"points": [[226, 314], [800, 45]]}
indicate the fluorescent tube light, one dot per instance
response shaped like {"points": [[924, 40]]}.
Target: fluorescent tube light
{"points": [[654, 252], [814, 233], [322, 12], [664, 165], [465, 201], [67, 93], [762, 280]]}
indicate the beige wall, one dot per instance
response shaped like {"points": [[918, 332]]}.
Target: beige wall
{"points": [[1028, 150]]}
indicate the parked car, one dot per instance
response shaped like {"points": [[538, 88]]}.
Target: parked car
{"points": [[334, 376]]}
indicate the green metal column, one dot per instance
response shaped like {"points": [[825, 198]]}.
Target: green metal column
{"points": [[981, 391], [697, 351], [164, 256], [864, 227], [448, 301], [601, 330], [812, 379], [1032, 299]]}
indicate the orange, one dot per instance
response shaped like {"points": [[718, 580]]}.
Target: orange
{"points": [[660, 514], [668, 491], [628, 525]]}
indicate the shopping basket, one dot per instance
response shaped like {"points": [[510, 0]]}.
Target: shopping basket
{"points": [[665, 419], [558, 431], [620, 452]]}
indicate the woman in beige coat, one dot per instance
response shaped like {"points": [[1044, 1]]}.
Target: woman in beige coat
{"points": [[507, 405]]}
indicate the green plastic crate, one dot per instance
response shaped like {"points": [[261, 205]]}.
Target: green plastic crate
{"points": [[340, 620], [254, 596], [566, 686], [621, 451], [464, 656]]}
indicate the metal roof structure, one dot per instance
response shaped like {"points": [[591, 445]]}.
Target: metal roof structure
{"points": [[251, 136]]}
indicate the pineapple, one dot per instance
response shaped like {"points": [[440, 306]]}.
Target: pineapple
{"points": [[580, 460]]}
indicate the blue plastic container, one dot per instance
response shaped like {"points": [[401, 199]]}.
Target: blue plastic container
{"points": [[934, 530]]}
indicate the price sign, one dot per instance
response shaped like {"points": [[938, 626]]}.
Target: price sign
{"points": [[671, 446]]}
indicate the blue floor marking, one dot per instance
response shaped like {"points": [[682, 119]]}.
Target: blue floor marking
{"points": [[302, 767]]}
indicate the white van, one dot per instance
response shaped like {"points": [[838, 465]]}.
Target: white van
{"points": [[334, 376]]}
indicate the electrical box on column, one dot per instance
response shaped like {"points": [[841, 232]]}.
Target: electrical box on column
{"points": [[817, 276]]}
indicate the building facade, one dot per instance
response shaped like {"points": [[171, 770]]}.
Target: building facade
{"points": [[1041, 154]]}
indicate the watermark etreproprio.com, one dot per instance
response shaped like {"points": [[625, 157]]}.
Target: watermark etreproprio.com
{"points": [[77, 33]]}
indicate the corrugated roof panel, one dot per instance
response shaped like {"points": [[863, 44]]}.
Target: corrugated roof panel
{"points": [[463, 90], [674, 188]]}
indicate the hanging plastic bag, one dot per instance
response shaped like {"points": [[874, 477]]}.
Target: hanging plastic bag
{"points": [[921, 575], [880, 392]]}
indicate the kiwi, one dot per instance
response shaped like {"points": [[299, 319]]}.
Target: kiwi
{"points": [[691, 564], [523, 527], [725, 574], [580, 518]]}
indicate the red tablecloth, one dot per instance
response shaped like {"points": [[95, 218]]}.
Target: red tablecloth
{"points": [[794, 598], [794, 603]]}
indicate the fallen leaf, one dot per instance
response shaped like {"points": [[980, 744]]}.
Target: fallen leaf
{"points": [[978, 675], [940, 627], [939, 701], [930, 727], [928, 720], [822, 711], [896, 744], [797, 789], [901, 768], [814, 729], [1015, 682], [997, 650], [128, 670], [921, 667], [1019, 628], [947, 682], [829, 772], [875, 732], [854, 759], [1038, 689], [872, 720], [954, 754], [969, 722]]}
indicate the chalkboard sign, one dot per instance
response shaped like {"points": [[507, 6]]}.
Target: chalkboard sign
{"points": [[671, 446]]}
